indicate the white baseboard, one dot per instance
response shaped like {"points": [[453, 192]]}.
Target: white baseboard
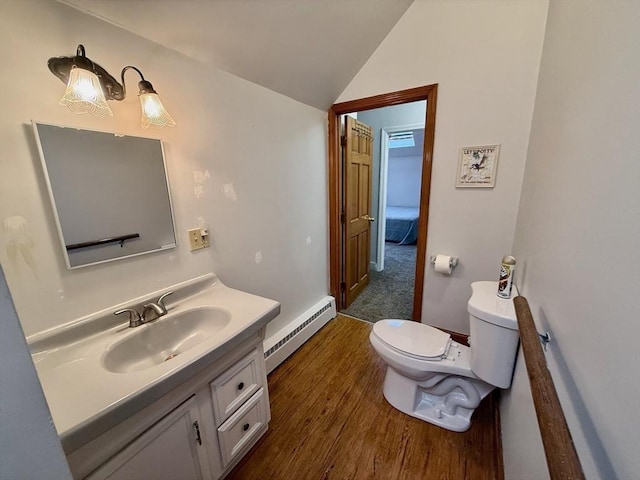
{"points": [[284, 342]]}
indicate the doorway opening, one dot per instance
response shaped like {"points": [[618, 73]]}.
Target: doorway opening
{"points": [[395, 201], [340, 244]]}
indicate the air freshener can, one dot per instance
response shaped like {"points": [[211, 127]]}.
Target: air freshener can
{"points": [[506, 276]]}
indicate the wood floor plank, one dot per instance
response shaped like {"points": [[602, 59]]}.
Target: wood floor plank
{"points": [[330, 421]]}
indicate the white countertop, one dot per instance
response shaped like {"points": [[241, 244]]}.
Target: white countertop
{"points": [[86, 399]]}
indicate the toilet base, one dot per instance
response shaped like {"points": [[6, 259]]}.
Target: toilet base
{"points": [[447, 401]]}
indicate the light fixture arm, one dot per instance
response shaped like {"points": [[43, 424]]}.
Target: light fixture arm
{"points": [[81, 60], [143, 85]]}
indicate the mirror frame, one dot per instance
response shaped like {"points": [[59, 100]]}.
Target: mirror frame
{"points": [[54, 206]]}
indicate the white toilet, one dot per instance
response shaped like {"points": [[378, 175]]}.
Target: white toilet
{"points": [[433, 378]]}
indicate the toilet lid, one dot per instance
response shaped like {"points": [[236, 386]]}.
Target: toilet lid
{"points": [[414, 338]]}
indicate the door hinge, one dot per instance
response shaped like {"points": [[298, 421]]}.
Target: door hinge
{"points": [[343, 217], [343, 140], [343, 286]]}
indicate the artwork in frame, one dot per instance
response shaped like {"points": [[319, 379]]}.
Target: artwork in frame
{"points": [[477, 166]]}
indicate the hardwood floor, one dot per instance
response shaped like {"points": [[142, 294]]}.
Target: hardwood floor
{"points": [[331, 421]]}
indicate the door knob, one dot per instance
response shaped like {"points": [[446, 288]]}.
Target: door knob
{"points": [[367, 217]]}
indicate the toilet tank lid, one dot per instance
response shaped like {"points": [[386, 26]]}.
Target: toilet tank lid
{"points": [[487, 306], [412, 337]]}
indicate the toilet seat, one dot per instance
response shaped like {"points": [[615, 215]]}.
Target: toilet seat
{"points": [[413, 339]]}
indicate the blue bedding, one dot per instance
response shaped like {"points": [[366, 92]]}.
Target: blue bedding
{"points": [[401, 225]]}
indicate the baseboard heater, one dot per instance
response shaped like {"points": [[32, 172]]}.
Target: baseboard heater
{"points": [[284, 342]]}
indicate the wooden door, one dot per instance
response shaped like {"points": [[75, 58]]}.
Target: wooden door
{"points": [[357, 201]]}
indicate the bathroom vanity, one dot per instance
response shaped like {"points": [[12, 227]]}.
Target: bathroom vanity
{"points": [[184, 396]]}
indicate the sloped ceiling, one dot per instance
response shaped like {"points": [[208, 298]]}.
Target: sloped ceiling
{"points": [[308, 50]]}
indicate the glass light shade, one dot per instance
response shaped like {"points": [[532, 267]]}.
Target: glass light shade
{"points": [[153, 112], [84, 94]]}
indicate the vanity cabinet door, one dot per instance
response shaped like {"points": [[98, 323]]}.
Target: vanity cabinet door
{"points": [[171, 449]]}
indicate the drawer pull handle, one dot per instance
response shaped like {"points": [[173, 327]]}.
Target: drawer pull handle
{"points": [[245, 427], [240, 385], [197, 429]]}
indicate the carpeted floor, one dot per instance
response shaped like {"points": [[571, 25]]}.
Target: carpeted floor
{"points": [[390, 292]]}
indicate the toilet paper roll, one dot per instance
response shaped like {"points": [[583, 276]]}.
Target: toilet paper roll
{"points": [[443, 264]]}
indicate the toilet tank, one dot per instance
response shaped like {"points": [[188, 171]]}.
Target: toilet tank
{"points": [[493, 334]]}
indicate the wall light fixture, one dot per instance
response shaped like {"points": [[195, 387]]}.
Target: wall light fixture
{"points": [[89, 86]]}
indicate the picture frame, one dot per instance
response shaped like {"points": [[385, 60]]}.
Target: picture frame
{"points": [[477, 166]]}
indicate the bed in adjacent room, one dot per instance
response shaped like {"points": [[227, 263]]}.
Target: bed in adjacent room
{"points": [[401, 225]]}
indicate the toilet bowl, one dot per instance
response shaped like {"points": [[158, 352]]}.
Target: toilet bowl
{"points": [[431, 377]]}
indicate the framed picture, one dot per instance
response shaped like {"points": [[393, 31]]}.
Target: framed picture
{"points": [[477, 166]]}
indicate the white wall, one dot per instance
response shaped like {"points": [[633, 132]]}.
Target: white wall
{"points": [[578, 236], [404, 173], [29, 445], [484, 56], [261, 159], [403, 182]]}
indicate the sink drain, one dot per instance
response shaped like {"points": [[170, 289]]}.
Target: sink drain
{"points": [[171, 356]]}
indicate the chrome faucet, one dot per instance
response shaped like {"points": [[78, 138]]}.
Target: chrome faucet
{"points": [[158, 308], [136, 319]]}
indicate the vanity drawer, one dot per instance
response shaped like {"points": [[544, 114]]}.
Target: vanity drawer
{"points": [[244, 427], [236, 385]]}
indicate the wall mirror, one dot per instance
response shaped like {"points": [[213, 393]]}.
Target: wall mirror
{"points": [[109, 193]]}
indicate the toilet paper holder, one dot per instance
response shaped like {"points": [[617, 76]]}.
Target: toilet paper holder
{"points": [[453, 261]]}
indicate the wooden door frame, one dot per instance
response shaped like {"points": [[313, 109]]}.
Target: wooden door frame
{"points": [[336, 240]]}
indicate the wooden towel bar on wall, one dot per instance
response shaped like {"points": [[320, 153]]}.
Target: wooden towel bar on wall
{"points": [[562, 458]]}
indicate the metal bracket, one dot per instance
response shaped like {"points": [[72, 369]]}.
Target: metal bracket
{"points": [[545, 339]]}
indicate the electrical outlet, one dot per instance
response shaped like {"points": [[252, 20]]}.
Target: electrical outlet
{"points": [[195, 239], [205, 241]]}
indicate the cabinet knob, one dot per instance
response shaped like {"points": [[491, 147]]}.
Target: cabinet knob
{"points": [[240, 385], [245, 427]]}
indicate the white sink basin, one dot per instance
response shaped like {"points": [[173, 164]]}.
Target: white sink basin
{"points": [[96, 372], [164, 339]]}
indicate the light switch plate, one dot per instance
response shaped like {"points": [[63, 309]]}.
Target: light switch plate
{"points": [[195, 239]]}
